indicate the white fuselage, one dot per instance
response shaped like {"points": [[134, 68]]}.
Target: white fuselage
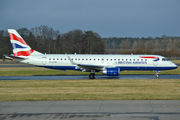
{"points": [[123, 62]]}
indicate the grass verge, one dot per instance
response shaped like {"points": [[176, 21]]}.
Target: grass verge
{"points": [[176, 61], [90, 90]]}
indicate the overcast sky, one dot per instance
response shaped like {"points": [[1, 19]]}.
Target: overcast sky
{"points": [[109, 18]]}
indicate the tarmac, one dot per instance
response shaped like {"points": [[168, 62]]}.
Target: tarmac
{"points": [[85, 77], [91, 110]]}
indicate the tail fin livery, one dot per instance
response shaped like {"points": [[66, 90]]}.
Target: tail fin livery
{"points": [[19, 46]]}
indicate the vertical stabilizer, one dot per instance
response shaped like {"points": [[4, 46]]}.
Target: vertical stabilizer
{"points": [[19, 46]]}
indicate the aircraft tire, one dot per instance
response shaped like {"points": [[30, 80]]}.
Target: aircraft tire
{"points": [[91, 76]]}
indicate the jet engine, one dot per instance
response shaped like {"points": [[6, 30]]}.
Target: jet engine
{"points": [[111, 71]]}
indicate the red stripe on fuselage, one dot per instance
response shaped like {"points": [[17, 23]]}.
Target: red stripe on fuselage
{"points": [[24, 53], [148, 57], [14, 37]]}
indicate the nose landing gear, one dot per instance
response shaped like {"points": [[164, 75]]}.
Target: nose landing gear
{"points": [[157, 74]]}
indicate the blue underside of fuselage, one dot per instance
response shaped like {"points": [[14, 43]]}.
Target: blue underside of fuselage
{"points": [[121, 68]]}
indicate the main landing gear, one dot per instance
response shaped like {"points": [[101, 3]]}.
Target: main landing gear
{"points": [[92, 75], [157, 74]]}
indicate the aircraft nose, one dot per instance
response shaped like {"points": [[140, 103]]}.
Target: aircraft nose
{"points": [[174, 65]]}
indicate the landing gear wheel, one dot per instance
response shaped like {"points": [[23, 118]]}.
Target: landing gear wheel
{"points": [[91, 76], [157, 76]]}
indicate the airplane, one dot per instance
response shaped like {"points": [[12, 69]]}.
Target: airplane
{"points": [[109, 65]]}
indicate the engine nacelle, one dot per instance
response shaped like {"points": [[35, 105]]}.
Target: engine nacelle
{"points": [[111, 71]]}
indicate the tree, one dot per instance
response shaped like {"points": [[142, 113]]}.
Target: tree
{"points": [[135, 44], [94, 43], [125, 45], [24, 32], [164, 44], [148, 46], [156, 45]]}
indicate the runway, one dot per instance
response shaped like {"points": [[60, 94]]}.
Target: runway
{"points": [[91, 110], [87, 77]]}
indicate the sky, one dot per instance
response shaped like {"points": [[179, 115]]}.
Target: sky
{"points": [[108, 18]]}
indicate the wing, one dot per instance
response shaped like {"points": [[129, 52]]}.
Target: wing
{"points": [[90, 67], [87, 66]]}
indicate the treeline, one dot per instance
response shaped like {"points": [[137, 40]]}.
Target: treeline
{"points": [[46, 40], [166, 46]]}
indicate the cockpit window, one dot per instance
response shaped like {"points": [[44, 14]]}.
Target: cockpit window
{"points": [[165, 59]]}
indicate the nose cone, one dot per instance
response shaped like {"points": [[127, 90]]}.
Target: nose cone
{"points": [[174, 66]]}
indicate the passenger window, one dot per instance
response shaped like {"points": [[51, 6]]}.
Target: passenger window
{"points": [[122, 59], [64, 58], [118, 59], [126, 59], [53, 58], [94, 59], [57, 58], [107, 59], [114, 59], [141, 59], [49, 58], [137, 59], [145, 59], [129, 59], [82, 59], [134, 60], [79, 59]]}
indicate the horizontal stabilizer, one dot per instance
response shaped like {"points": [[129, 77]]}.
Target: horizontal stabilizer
{"points": [[11, 57]]}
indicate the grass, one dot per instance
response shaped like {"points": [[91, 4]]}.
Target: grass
{"points": [[33, 71], [176, 61], [30, 90]]}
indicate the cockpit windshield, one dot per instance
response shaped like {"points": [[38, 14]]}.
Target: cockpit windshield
{"points": [[165, 59]]}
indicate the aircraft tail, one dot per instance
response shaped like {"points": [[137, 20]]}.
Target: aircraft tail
{"points": [[19, 46]]}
